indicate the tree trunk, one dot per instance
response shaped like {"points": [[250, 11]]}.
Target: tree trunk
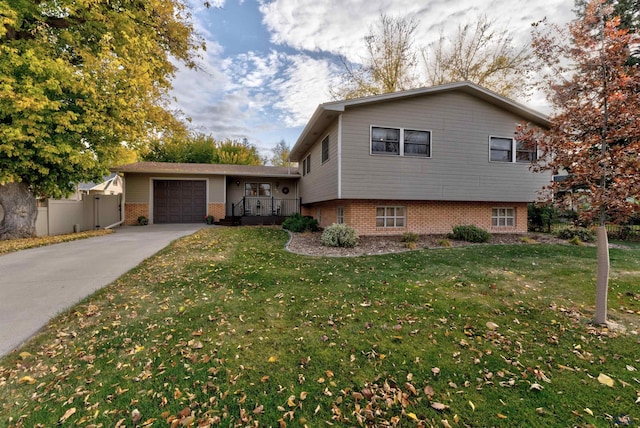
{"points": [[603, 276], [20, 211]]}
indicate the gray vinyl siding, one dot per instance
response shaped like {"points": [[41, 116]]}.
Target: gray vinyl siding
{"points": [[137, 188], [459, 167], [322, 182]]}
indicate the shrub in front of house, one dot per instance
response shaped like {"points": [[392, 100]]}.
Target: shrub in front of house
{"points": [[143, 221], [470, 233], [339, 235], [582, 233], [299, 223]]}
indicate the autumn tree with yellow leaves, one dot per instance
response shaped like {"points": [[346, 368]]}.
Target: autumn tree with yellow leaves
{"points": [[79, 78]]}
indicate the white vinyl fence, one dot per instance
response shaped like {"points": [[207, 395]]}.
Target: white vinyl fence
{"points": [[61, 216]]}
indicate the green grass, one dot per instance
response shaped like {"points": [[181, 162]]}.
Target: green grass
{"points": [[226, 327]]}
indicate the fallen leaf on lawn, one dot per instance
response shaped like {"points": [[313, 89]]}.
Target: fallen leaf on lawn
{"points": [[258, 410], [291, 401], [188, 421], [303, 395], [605, 380], [589, 411], [435, 370], [135, 415], [263, 379], [24, 355], [411, 388], [412, 416], [439, 406], [68, 414], [428, 390], [492, 325], [630, 368], [27, 379], [473, 406], [536, 387], [329, 374], [273, 359], [501, 416], [445, 423]]}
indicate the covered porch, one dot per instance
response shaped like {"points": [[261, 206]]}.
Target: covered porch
{"points": [[260, 200]]}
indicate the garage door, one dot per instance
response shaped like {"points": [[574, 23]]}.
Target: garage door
{"points": [[179, 201]]}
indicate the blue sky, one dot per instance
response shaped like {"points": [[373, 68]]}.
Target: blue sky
{"points": [[269, 64]]}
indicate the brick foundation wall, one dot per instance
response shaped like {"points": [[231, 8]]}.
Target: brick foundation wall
{"points": [[218, 211], [134, 210], [422, 217]]}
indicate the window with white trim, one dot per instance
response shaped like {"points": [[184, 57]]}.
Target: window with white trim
{"points": [[390, 216], [506, 149], [340, 215], [503, 217], [306, 165], [525, 154], [257, 189], [325, 149], [400, 142]]}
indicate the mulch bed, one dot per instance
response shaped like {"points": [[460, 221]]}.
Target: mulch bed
{"points": [[309, 243]]}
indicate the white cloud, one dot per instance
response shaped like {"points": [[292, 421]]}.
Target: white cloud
{"points": [[303, 86], [252, 70], [339, 27]]}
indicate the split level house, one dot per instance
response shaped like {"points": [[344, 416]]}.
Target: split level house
{"points": [[420, 161]]}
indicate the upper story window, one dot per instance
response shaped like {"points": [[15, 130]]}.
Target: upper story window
{"points": [[306, 165], [400, 142], [503, 149], [257, 189], [325, 149], [525, 154]]}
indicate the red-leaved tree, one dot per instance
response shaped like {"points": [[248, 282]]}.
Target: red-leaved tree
{"points": [[594, 137]]}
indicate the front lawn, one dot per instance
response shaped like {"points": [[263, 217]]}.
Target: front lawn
{"points": [[226, 327]]}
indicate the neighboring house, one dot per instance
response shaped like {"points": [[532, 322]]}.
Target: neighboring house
{"points": [[112, 185], [186, 193], [420, 161]]}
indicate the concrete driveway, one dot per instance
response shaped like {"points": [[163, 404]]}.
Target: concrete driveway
{"points": [[39, 283]]}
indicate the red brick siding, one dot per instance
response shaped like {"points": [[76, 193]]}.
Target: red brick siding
{"points": [[134, 210], [217, 210], [422, 217]]}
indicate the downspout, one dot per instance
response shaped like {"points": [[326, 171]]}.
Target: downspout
{"points": [[340, 156], [121, 207]]}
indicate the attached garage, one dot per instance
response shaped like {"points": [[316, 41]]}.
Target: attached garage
{"points": [[179, 201]]}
